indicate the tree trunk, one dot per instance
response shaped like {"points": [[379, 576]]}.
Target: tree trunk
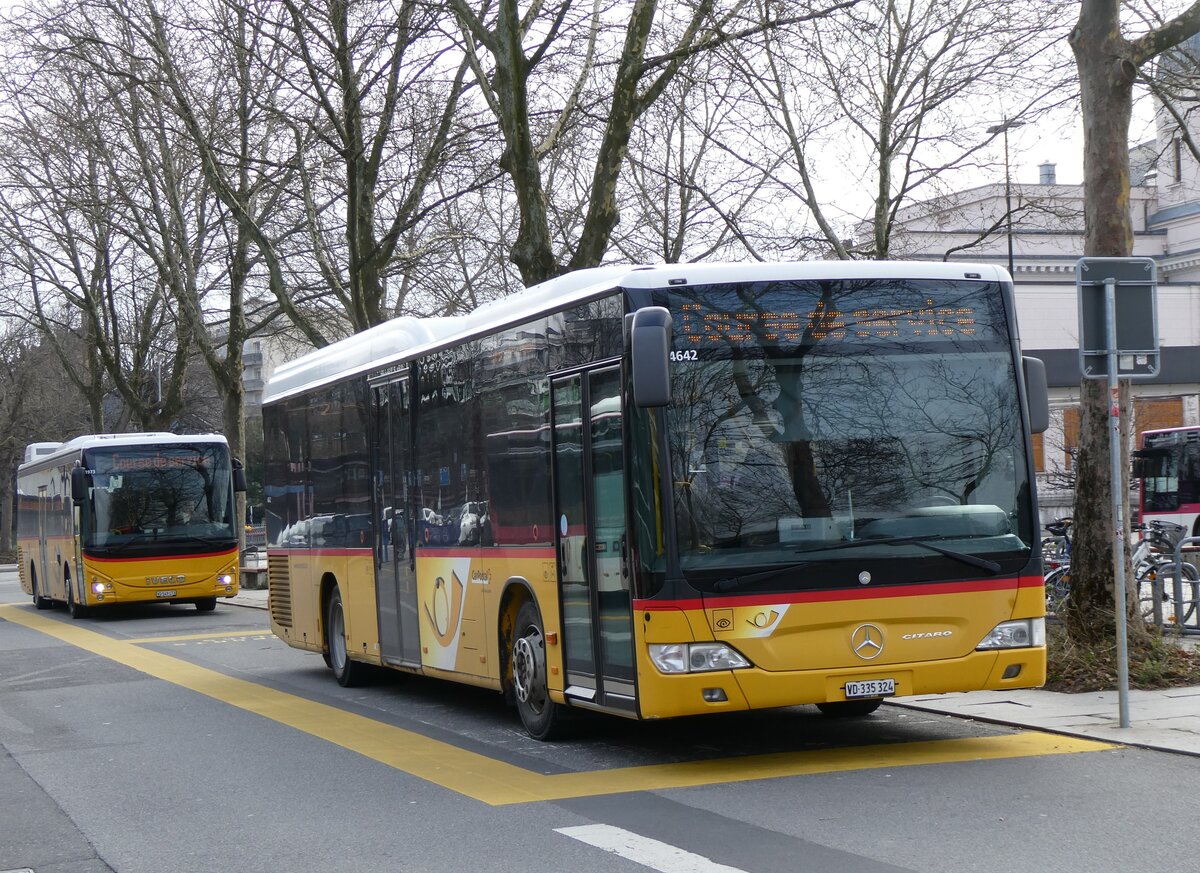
{"points": [[1108, 65], [234, 418], [1106, 76]]}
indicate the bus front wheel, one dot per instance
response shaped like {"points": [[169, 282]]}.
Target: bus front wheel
{"points": [[74, 607], [348, 673], [849, 708], [207, 604], [542, 717]]}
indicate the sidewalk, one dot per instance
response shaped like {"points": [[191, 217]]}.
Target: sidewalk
{"points": [[1167, 719], [255, 598]]}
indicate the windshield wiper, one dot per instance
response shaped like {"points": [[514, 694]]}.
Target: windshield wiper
{"points": [[202, 538], [975, 561], [733, 582]]}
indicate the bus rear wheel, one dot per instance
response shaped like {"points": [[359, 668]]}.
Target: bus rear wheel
{"points": [[849, 708], [206, 604], [38, 601], [348, 673], [542, 717]]}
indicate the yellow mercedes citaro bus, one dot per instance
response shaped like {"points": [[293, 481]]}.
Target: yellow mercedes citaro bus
{"points": [[672, 490], [128, 518]]}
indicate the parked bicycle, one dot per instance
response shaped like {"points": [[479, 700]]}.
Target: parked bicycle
{"points": [[1153, 562], [1056, 563], [1154, 573]]}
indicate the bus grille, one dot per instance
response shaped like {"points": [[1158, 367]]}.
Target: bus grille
{"points": [[279, 590], [21, 568]]}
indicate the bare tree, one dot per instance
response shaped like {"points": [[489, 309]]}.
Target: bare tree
{"points": [[72, 270], [564, 63], [385, 86], [33, 406], [1109, 62], [885, 99], [687, 194]]}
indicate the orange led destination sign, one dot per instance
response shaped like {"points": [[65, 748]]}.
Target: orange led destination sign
{"points": [[698, 325], [129, 463]]}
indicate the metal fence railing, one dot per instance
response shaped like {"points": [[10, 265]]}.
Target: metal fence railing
{"points": [[1187, 611]]}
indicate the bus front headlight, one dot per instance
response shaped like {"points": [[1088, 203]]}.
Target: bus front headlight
{"points": [[1020, 634], [695, 657]]}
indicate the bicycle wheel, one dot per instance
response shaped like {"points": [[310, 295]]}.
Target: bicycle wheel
{"points": [[1185, 611], [1147, 580], [1058, 588]]}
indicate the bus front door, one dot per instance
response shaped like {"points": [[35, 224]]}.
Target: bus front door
{"points": [[589, 499], [395, 570]]}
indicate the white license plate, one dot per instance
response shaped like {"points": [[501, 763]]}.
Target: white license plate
{"points": [[170, 593], [871, 688]]}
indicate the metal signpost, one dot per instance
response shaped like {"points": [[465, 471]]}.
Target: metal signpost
{"points": [[1118, 338]]}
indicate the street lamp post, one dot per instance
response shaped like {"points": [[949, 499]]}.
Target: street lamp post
{"points": [[1002, 128]]}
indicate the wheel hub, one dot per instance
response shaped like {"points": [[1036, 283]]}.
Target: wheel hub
{"points": [[337, 638], [529, 669]]}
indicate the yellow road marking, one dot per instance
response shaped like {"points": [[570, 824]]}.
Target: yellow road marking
{"points": [[498, 783], [173, 639]]}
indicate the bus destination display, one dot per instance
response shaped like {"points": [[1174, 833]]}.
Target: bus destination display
{"points": [[699, 325]]}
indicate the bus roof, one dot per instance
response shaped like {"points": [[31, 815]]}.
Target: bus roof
{"points": [[1183, 427], [91, 441], [407, 337]]}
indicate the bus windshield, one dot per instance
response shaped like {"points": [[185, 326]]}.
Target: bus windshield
{"points": [[845, 427], [159, 499]]}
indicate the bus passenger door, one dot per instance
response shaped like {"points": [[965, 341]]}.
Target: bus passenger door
{"points": [[44, 577], [395, 573], [589, 495]]}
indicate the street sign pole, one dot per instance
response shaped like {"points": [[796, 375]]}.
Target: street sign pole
{"points": [[1119, 325], [1114, 443]]}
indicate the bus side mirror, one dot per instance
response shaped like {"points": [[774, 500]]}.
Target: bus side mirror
{"points": [[1037, 394], [649, 352], [239, 476], [78, 485]]}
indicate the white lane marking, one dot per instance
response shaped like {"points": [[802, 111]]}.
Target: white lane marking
{"points": [[649, 853]]}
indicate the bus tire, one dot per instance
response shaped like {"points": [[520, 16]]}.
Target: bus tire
{"points": [[38, 601], [542, 717], [849, 708], [76, 609], [206, 604], [348, 673]]}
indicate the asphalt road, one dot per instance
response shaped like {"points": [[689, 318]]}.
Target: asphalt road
{"points": [[162, 739]]}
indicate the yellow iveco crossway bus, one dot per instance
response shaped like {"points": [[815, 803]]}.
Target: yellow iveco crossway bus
{"points": [[672, 490], [128, 518]]}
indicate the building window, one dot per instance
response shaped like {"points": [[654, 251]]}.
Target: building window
{"points": [[1070, 436], [1157, 413]]}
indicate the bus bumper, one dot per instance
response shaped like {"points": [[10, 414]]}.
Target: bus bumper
{"points": [[121, 593], [665, 696]]}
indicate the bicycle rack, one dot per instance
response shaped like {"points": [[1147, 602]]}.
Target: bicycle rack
{"points": [[1179, 627]]}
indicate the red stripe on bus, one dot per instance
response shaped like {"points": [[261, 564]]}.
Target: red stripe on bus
{"points": [[324, 553], [487, 552], [446, 552], [825, 596]]}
